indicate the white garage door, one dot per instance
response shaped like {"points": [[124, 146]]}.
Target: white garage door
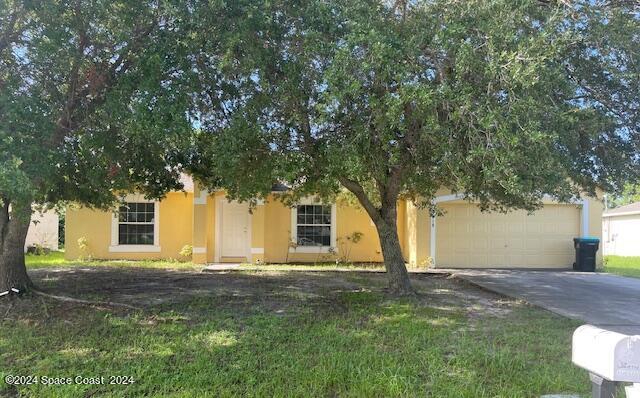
{"points": [[468, 238]]}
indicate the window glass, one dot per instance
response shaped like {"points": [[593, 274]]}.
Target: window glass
{"points": [[314, 225], [136, 224]]}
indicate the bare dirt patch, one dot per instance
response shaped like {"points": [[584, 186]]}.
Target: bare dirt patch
{"points": [[279, 292]]}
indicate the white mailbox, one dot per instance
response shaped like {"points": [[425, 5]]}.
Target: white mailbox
{"points": [[609, 357], [612, 355]]}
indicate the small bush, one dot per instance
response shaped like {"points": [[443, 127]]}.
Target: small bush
{"points": [[83, 245], [38, 250], [186, 251]]}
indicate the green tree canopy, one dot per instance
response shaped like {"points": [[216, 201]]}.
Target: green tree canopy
{"points": [[630, 194], [88, 108], [501, 101]]}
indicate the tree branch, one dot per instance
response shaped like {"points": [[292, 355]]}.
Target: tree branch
{"points": [[390, 189], [67, 122], [10, 33], [364, 200]]}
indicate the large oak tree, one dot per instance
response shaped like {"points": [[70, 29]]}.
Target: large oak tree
{"points": [[88, 109], [502, 101]]}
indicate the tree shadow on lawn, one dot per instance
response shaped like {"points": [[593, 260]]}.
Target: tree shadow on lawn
{"points": [[283, 334], [273, 290]]}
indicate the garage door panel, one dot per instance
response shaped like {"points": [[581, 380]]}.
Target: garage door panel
{"points": [[466, 237], [515, 244], [496, 244], [555, 246], [500, 260], [480, 244], [495, 228], [515, 228], [533, 227], [551, 229]]}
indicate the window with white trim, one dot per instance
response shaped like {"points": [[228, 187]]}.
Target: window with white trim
{"points": [[313, 225], [136, 223]]}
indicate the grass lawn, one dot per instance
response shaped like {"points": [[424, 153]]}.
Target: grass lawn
{"points": [[324, 266], [279, 334], [625, 266], [56, 259]]}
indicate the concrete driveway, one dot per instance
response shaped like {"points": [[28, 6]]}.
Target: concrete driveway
{"points": [[609, 301]]}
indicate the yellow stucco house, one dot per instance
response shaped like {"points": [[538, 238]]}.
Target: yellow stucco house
{"points": [[221, 231]]}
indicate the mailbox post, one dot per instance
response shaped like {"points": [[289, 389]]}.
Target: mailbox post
{"points": [[610, 358]]}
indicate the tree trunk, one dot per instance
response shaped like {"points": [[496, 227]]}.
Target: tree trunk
{"points": [[386, 220], [13, 234], [387, 227]]}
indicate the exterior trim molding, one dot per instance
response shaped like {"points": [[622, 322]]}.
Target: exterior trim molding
{"points": [[199, 250], [202, 199], [294, 229], [134, 249], [313, 249], [432, 235], [432, 241], [116, 247], [257, 250], [448, 198], [626, 213], [217, 229]]}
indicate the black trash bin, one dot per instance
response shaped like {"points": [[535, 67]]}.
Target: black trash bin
{"points": [[586, 249]]}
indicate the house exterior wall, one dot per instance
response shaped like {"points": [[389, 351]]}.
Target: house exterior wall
{"points": [[349, 219], [195, 219], [621, 235], [191, 219], [417, 235], [271, 233], [175, 231], [43, 230]]}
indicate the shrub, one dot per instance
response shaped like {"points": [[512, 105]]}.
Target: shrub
{"points": [[83, 245], [38, 250], [186, 251]]}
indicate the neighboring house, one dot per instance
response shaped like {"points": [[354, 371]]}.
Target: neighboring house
{"points": [[222, 231], [43, 230], [621, 230]]}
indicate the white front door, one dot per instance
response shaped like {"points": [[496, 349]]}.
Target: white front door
{"points": [[234, 229]]}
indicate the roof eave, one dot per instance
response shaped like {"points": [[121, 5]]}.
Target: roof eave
{"points": [[626, 213]]}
